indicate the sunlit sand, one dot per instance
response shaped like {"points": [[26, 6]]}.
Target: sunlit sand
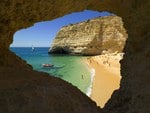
{"points": [[107, 76]]}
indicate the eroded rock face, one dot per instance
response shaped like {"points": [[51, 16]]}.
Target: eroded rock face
{"points": [[15, 90], [91, 37]]}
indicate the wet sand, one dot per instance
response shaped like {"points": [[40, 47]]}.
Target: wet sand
{"points": [[107, 76]]}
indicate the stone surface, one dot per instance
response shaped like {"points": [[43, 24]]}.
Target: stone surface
{"points": [[91, 37], [133, 95], [36, 92]]}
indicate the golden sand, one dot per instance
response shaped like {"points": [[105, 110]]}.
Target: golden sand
{"points": [[107, 76]]}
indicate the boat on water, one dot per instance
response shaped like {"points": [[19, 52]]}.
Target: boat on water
{"points": [[32, 48], [47, 65]]}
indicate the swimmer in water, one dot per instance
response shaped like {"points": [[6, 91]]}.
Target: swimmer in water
{"points": [[82, 76]]}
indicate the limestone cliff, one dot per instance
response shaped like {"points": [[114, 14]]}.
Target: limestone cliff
{"points": [[91, 37], [26, 91]]}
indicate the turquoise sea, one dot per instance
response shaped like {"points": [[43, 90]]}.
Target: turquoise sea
{"points": [[69, 68]]}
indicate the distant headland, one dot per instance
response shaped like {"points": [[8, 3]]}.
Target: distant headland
{"points": [[91, 37]]}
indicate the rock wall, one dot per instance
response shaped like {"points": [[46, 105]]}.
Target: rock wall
{"points": [[18, 88], [91, 37]]}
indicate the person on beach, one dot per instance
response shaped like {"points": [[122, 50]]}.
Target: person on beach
{"points": [[90, 61]]}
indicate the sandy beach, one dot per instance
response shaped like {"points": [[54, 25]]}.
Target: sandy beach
{"points": [[107, 76]]}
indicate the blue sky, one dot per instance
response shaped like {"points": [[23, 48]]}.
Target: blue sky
{"points": [[43, 33]]}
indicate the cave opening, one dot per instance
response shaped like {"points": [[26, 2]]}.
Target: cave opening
{"points": [[33, 46], [61, 51], [40, 92]]}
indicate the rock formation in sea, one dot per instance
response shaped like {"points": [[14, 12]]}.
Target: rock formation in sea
{"points": [[91, 37], [23, 90]]}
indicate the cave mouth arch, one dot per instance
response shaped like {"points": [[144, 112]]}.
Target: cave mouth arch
{"points": [[134, 91], [61, 50]]}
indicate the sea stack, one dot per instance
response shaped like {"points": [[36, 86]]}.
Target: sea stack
{"points": [[90, 37]]}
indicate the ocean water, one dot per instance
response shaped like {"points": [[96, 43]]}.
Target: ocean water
{"points": [[69, 68]]}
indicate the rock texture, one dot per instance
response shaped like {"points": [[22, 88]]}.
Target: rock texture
{"points": [[39, 93], [91, 37], [18, 88]]}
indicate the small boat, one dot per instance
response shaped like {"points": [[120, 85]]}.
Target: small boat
{"points": [[32, 48], [47, 65]]}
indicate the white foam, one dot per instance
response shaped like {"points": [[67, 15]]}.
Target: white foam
{"points": [[89, 90]]}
